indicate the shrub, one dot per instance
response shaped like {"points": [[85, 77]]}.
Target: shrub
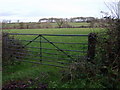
{"points": [[10, 49], [108, 52], [104, 70], [81, 69]]}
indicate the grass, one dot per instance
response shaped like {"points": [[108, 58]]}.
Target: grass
{"points": [[44, 25], [73, 24], [55, 31], [25, 71], [48, 74], [79, 24]]}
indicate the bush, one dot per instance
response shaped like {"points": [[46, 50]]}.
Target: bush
{"points": [[81, 69], [104, 70], [10, 49], [108, 52]]}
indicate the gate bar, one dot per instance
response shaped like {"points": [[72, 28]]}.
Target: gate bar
{"points": [[48, 34], [58, 48], [31, 41]]}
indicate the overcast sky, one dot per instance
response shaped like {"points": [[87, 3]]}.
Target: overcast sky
{"points": [[33, 10]]}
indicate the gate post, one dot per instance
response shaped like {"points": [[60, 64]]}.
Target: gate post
{"points": [[91, 46]]}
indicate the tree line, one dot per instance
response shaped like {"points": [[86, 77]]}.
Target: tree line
{"points": [[55, 23]]}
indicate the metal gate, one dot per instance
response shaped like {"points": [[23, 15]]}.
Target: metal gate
{"points": [[49, 49]]}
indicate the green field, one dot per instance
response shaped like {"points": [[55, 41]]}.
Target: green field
{"points": [[42, 73], [43, 25], [73, 24], [56, 31], [79, 24]]}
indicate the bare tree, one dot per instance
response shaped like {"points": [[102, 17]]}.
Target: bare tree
{"points": [[59, 22], [18, 21], [113, 8]]}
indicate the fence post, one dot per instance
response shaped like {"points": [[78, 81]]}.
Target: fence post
{"points": [[91, 46]]}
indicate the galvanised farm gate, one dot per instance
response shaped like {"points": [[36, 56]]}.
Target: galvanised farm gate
{"points": [[50, 49]]}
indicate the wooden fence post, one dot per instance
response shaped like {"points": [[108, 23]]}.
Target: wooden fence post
{"points": [[91, 46]]}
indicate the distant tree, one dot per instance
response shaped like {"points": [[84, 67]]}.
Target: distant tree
{"points": [[5, 21], [78, 19], [90, 19], [18, 21], [27, 26], [9, 21], [59, 22], [51, 20], [21, 25], [83, 19], [43, 20]]}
